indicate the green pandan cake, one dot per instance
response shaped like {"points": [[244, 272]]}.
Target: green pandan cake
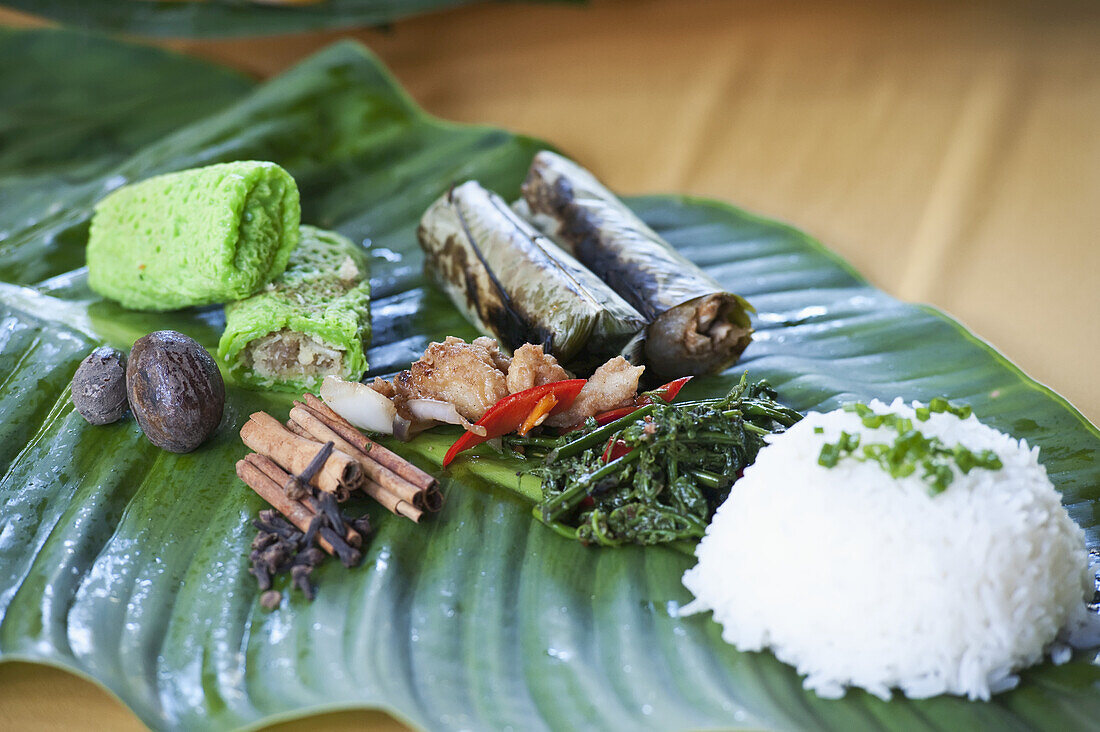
{"points": [[195, 237], [312, 321]]}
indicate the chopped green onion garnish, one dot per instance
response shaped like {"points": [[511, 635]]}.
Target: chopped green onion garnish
{"points": [[911, 448]]}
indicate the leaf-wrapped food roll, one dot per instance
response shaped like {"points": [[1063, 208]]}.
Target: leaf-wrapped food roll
{"points": [[312, 321], [695, 326], [513, 283], [196, 237]]}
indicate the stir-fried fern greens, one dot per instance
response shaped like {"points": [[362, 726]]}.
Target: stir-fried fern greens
{"points": [[656, 475]]}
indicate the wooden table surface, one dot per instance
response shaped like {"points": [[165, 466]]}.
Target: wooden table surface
{"points": [[950, 151]]}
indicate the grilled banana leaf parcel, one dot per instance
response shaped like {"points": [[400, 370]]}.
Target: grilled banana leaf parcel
{"points": [[513, 283], [695, 326]]}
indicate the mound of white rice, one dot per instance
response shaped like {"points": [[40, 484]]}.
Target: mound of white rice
{"points": [[856, 578]]}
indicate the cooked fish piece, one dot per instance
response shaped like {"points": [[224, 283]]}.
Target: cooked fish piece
{"points": [[501, 360], [611, 386], [463, 374], [513, 283], [531, 366], [383, 387], [695, 326]]}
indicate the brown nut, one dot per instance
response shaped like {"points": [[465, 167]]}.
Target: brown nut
{"points": [[99, 386], [176, 391]]}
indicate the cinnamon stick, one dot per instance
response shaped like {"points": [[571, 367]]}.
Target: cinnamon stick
{"points": [[381, 455], [267, 436], [272, 492], [430, 500], [297, 429], [391, 502], [280, 476], [377, 472]]}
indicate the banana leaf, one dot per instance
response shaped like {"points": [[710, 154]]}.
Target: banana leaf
{"points": [[227, 18], [129, 565]]}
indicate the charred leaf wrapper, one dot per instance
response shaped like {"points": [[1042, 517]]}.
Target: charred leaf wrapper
{"points": [[695, 327], [513, 283]]}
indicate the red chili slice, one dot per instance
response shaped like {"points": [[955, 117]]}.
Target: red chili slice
{"points": [[667, 392], [512, 411], [616, 448]]}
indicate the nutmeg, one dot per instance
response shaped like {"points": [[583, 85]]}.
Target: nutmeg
{"points": [[99, 386], [176, 391]]}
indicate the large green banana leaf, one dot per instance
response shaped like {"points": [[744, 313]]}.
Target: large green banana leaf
{"points": [[227, 18], [128, 564]]}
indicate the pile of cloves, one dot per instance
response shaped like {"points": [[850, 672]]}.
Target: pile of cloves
{"points": [[280, 547]]}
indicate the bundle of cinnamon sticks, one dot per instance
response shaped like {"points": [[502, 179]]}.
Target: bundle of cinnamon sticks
{"points": [[355, 463]]}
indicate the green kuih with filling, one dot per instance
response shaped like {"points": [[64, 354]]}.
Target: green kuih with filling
{"points": [[195, 237], [312, 321]]}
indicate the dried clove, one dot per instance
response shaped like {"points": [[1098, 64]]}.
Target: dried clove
{"points": [[273, 523], [361, 525], [276, 519], [299, 575], [311, 556], [311, 533], [262, 575], [297, 487], [347, 554], [278, 554], [263, 539], [325, 505], [271, 599]]}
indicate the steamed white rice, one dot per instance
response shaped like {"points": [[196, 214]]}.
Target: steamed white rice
{"points": [[859, 579]]}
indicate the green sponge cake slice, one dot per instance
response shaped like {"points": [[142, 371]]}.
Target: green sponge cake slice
{"points": [[312, 321], [195, 237]]}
